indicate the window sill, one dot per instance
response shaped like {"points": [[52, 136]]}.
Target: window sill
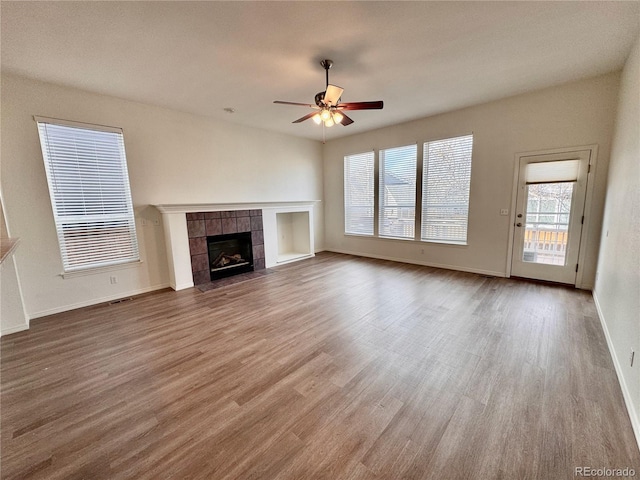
{"points": [[359, 235], [450, 244], [400, 239], [99, 270], [403, 239]]}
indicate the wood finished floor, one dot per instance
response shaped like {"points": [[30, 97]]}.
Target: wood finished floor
{"points": [[335, 367]]}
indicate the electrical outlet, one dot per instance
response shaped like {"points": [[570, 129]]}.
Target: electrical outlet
{"points": [[633, 354], [113, 279], [504, 212]]}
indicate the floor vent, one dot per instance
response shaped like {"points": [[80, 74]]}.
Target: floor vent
{"points": [[120, 300]]}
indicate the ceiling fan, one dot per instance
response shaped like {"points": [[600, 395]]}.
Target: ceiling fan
{"points": [[328, 109]]}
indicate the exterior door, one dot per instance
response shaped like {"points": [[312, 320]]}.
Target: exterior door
{"points": [[549, 216]]}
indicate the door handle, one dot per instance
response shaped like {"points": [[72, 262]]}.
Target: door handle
{"points": [[518, 224], [519, 215]]}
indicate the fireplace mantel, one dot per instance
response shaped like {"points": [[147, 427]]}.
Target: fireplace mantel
{"points": [[288, 233], [217, 207]]}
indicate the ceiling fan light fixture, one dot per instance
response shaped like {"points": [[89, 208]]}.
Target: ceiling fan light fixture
{"points": [[328, 104]]}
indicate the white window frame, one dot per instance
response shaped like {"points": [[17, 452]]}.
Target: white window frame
{"points": [[86, 168], [403, 221], [421, 194], [447, 175], [351, 203]]}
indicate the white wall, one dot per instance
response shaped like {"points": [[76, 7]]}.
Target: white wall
{"points": [[617, 290], [574, 114], [173, 157], [12, 316]]}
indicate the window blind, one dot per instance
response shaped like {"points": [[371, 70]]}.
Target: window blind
{"points": [[553, 172], [397, 196], [86, 171], [445, 189], [359, 193]]}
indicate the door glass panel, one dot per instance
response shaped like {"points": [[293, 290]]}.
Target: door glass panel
{"points": [[547, 223]]}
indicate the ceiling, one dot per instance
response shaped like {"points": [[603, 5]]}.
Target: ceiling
{"points": [[421, 58]]}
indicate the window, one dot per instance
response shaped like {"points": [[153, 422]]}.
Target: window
{"points": [[446, 179], [398, 192], [86, 170], [359, 194]]}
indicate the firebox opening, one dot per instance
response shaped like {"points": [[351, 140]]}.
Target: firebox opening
{"points": [[230, 254]]}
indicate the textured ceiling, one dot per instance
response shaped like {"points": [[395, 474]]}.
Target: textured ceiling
{"points": [[421, 58]]}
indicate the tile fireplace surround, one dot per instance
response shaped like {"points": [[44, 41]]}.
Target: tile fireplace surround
{"points": [[201, 225], [281, 232]]}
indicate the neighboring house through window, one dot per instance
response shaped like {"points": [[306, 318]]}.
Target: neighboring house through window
{"points": [[445, 172], [398, 192]]}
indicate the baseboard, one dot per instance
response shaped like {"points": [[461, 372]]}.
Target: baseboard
{"points": [[182, 286], [88, 303], [283, 260], [635, 424], [16, 329], [417, 262]]}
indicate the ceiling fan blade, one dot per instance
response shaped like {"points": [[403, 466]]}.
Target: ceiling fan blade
{"points": [[332, 95], [361, 105], [280, 102], [345, 120], [306, 117]]}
